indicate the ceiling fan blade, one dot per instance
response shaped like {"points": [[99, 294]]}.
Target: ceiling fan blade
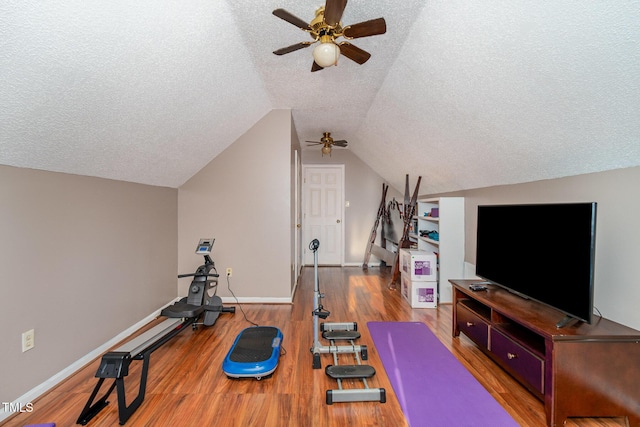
{"points": [[366, 29], [292, 48], [333, 10], [340, 143], [314, 143], [292, 19], [354, 53], [316, 67]]}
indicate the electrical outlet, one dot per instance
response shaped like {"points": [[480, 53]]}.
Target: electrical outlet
{"points": [[229, 272], [28, 340]]}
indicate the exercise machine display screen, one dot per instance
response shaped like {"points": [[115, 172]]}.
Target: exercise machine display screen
{"points": [[204, 246]]}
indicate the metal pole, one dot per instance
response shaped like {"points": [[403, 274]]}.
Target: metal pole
{"points": [[316, 297]]}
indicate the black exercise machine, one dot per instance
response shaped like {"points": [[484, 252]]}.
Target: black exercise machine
{"points": [[202, 298], [200, 302]]}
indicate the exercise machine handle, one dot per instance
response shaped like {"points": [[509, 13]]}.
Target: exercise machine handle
{"points": [[180, 276]]}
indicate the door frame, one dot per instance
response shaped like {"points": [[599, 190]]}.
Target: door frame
{"points": [[297, 231]]}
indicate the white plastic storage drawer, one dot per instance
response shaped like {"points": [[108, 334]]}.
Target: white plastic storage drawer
{"points": [[419, 265], [419, 294]]}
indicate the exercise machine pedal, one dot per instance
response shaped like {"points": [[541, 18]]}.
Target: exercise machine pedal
{"points": [[341, 335], [182, 309], [338, 326], [350, 371]]}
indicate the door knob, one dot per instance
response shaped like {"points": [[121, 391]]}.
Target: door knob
{"points": [[338, 221]]}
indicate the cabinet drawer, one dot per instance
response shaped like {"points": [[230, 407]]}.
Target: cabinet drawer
{"points": [[473, 326], [527, 365]]}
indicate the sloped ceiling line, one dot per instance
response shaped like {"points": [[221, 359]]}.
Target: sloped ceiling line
{"points": [[465, 94]]}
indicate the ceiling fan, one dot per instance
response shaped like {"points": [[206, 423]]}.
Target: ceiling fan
{"points": [[328, 142], [326, 28]]}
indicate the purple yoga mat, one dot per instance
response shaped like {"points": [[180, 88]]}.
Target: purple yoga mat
{"points": [[433, 388]]}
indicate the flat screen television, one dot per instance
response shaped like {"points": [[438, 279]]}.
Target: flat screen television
{"points": [[544, 252]]}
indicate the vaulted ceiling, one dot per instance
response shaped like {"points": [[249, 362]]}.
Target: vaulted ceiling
{"points": [[467, 94]]}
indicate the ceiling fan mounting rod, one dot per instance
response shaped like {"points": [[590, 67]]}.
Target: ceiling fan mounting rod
{"points": [[321, 28]]}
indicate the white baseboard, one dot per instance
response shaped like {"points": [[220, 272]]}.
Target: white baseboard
{"points": [[40, 389], [347, 264], [257, 300]]}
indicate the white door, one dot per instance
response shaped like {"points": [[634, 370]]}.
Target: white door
{"points": [[323, 213]]}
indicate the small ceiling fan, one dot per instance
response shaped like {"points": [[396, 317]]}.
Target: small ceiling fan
{"points": [[326, 28], [328, 142]]}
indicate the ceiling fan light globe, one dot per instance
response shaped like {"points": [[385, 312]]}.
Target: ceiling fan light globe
{"points": [[326, 150], [326, 54]]}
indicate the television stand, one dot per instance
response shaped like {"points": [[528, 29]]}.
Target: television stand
{"points": [[579, 370]]}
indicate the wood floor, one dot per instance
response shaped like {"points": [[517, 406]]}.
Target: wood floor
{"points": [[187, 387]]}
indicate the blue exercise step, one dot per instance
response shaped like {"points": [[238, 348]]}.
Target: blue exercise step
{"points": [[254, 353]]}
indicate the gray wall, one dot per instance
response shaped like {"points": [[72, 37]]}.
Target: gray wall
{"points": [[617, 269], [81, 260], [242, 198]]}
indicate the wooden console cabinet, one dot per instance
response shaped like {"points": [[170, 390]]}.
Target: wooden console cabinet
{"points": [[580, 370]]}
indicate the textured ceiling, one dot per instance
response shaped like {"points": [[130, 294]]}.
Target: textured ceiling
{"points": [[467, 94]]}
